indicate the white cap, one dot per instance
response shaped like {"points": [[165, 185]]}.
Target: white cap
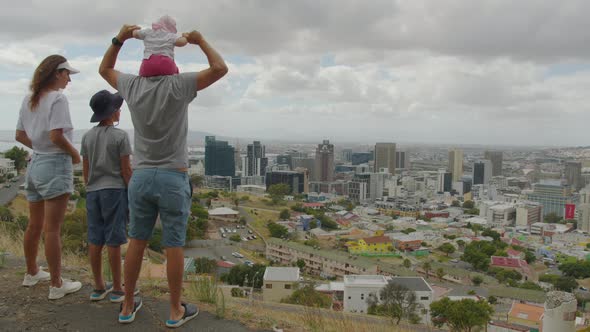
{"points": [[66, 65]]}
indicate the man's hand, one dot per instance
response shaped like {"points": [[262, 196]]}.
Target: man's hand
{"points": [[127, 32], [193, 37]]}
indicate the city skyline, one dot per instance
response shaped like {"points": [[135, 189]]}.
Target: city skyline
{"points": [[411, 71]]}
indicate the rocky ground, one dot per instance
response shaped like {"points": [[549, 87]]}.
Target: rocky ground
{"points": [[28, 309]]}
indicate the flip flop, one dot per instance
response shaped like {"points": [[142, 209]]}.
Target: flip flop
{"points": [[190, 311], [130, 318]]}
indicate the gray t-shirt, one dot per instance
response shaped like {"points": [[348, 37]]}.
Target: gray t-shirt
{"points": [[159, 111], [103, 146]]}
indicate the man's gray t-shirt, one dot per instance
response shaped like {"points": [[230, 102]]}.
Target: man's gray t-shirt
{"points": [[159, 111], [103, 146]]}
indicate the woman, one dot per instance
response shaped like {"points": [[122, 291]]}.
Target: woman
{"points": [[44, 125]]}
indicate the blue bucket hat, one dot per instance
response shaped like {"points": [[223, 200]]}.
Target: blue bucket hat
{"points": [[104, 104]]}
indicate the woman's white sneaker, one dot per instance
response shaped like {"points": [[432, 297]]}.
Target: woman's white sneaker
{"points": [[67, 287], [33, 280]]}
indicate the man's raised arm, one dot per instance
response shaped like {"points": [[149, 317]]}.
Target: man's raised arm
{"points": [[217, 67], [107, 66]]}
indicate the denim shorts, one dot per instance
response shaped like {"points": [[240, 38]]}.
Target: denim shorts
{"points": [[107, 217], [166, 192], [49, 176]]}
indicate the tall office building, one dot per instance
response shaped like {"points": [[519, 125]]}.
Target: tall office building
{"points": [[482, 172], [255, 161], [296, 180], [496, 158], [584, 210], [347, 155], [400, 160], [444, 181], [219, 157], [385, 157], [358, 158], [573, 174], [324, 162], [553, 196], [285, 159], [456, 164]]}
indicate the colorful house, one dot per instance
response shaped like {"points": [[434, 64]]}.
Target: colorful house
{"points": [[516, 264], [374, 244]]}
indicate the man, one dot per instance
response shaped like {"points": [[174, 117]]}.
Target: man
{"points": [[159, 184]]}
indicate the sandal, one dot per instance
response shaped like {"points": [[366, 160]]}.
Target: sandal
{"points": [[99, 294], [190, 311], [130, 318]]}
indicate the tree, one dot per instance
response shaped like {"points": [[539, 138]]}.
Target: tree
{"points": [[440, 273], [529, 256], [461, 243], [566, 284], [491, 233], [197, 180], [6, 214], [204, 265], [456, 203], [426, 267], [244, 275], [492, 299], [349, 206], [235, 238], [155, 242], [477, 280], [209, 202], [326, 222], [285, 215], [19, 155], [278, 191], [407, 263], [552, 218], [461, 315], [243, 220], [396, 302], [236, 202], [276, 230], [447, 248], [408, 230], [309, 297], [578, 270], [300, 264], [468, 205]]}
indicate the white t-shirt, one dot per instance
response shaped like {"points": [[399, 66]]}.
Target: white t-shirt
{"points": [[159, 42], [51, 113]]}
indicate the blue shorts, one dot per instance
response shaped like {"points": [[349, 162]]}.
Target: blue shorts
{"points": [[154, 191], [49, 176], [107, 217]]}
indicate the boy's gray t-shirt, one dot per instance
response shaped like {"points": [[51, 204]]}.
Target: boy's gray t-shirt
{"points": [[103, 146], [159, 111]]}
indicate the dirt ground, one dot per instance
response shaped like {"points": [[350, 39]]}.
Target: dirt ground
{"points": [[28, 309]]}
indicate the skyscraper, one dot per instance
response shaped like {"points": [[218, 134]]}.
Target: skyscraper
{"points": [[400, 160], [584, 210], [444, 181], [285, 159], [255, 161], [324, 162], [219, 157], [385, 157], [347, 155], [482, 172], [496, 158], [456, 164], [573, 174], [296, 180]]}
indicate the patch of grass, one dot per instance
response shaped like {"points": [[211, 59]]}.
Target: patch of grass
{"points": [[261, 219], [19, 206], [517, 293]]}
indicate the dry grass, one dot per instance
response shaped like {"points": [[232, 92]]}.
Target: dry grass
{"points": [[257, 316], [261, 219], [19, 206]]}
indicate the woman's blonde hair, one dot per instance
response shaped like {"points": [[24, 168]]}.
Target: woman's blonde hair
{"points": [[43, 77]]}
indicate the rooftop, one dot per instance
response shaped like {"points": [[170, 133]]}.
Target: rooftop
{"points": [[526, 311], [222, 211], [377, 239], [365, 280], [413, 283], [281, 274], [508, 262], [329, 254]]}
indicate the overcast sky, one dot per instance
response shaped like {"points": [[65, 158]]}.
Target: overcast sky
{"points": [[486, 72]]}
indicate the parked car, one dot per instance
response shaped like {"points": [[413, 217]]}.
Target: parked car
{"points": [[249, 231], [454, 260], [223, 235], [254, 236], [223, 258], [237, 255], [249, 263]]}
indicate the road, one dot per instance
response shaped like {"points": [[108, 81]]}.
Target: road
{"points": [[215, 252], [8, 194]]}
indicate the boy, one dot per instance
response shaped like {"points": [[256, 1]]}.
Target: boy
{"points": [[107, 170]]}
